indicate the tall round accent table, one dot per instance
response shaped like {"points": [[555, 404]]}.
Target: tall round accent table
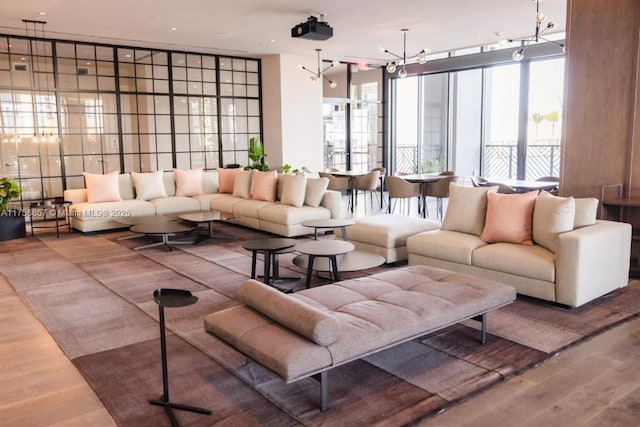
{"points": [[172, 298]]}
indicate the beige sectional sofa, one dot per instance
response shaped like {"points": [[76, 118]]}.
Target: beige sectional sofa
{"points": [[274, 217], [573, 258]]}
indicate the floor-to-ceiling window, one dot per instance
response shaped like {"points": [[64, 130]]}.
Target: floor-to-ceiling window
{"points": [[73, 107], [499, 118]]}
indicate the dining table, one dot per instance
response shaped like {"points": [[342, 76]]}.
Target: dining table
{"points": [[523, 185], [423, 179]]}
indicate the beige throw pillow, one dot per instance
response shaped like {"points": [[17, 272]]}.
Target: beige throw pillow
{"points": [[552, 215], [315, 191], [102, 188], [466, 209], [294, 189], [149, 185], [586, 212], [242, 184]]}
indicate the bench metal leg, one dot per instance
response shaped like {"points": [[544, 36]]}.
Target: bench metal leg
{"points": [[324, 391], [482, 318]]}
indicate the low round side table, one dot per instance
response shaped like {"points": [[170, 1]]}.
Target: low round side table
{"points": [[329, 223], [172, 298], [58, 206], [208, 217], [164, 229], [270, 247], [324, 248]]}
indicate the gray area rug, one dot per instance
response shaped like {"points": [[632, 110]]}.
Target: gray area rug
{"points": [[94, 295]]}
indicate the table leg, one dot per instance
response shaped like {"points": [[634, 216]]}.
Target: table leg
{"points": [[267, 267], [344, 232], [310, 260], [334, 266], [254, 260]]}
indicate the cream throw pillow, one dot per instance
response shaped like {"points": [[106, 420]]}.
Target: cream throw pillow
{"points": [[315, 191], [188, 182], [552, 215], [102, 188], [586, 212], [149, 185], [242, 184], [294, 189], [466, 209], [509, 218]]}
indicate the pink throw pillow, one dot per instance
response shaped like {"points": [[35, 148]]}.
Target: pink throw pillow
{"points": [[188, 182], [226, 178], [102, 188], [509, 218], [264, 185]]}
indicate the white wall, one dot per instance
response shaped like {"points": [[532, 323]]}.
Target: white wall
{"points": [[292, 112]]}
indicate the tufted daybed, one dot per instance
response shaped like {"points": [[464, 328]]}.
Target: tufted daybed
{"points": [[308, 333]]}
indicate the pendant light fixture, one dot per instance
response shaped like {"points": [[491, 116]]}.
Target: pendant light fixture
{"points": [[420, 57], [319, 74], [541, 29]]}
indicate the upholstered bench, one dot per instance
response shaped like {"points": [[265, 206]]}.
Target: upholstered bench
{"points": [[386, 234], [308, 333]]}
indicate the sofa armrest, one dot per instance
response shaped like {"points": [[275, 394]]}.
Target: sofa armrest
{"points": [[592, 261], [332, 200], [78, 195]]}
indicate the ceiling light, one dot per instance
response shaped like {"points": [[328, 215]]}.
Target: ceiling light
{"points": [[173, 28], [518, 55], [319, 75], [420, 57]]}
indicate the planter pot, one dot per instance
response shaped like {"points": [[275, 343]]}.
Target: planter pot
{"points": [[12, 225]]}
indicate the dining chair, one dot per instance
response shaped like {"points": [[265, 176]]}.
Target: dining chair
{"points": [[478, 181], [440, 190], [447, 173], [554, 190], [399, 188], [367, 183], [338, 183], [502, 188], [383, 173]]}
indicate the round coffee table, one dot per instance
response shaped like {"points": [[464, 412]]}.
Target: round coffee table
{"points": [[329, 249], [270, 247], [206, 216], [164, 229], [329, 223]]}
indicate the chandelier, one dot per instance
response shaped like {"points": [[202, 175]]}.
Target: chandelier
{"points": [[41, 105], [420, 57], [541, 29], [319, 75]]}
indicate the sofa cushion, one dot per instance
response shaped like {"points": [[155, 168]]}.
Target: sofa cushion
{"points": [[310, 322], [102, 187], [175, 204], [446, 245], [149, 185], [293, 189], [226, 177], [242, 184], [509, 218], [315, 190], [586, 212], [264, 185], [111, 210], [290, 215], [533, 262], [188, 182], [169, 182], [552, 215], [125, 185], [225, 202], [466, 209], [249, 208]]}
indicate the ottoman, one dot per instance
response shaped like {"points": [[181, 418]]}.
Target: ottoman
{"points": [[387, 234]]}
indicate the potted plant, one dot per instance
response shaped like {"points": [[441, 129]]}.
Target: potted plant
{"points": [[12, 223], [256, 155]]}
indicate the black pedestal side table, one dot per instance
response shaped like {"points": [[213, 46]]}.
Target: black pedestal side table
{"points": [[172, 298]]}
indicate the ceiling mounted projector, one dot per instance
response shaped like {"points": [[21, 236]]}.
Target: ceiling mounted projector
{"points": [[312, 30]]}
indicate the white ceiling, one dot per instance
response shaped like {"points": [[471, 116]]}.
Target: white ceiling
{"points": [[260, 27]]}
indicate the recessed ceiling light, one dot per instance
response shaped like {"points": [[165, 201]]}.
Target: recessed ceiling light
{"points": [[23, 59], [128, 55], [88, 63], [272, 40], [173, 28], [43, 13]]}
